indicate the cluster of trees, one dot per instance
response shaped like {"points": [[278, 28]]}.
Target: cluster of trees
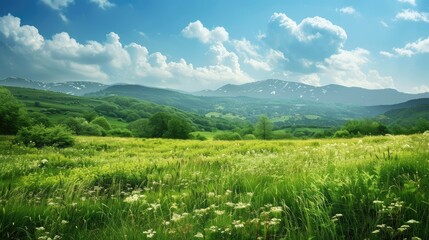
{"points": [[36, 129], [162, 125], [357, 128], [29, 128]]}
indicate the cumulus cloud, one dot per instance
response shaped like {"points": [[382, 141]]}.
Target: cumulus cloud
{"points": [[346, 68], [103, 4], [63, 58], [412, 2], [20, 37], [418, 47], [197, 30], [347, 10], [412, 15], [306, 43], [57, 4]]}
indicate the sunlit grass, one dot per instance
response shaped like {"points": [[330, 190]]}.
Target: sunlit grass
{"points": [[126, 188]]}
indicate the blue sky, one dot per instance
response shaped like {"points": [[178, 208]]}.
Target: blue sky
{"points": [[193, 45]]}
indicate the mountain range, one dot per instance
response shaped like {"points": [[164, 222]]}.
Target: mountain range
{"points": [[284, 102], [279, 89], [266, 89], [78, 88]]}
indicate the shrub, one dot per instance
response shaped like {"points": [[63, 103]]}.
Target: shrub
{"points": [[342, 134], [120, 132], [249, 137], [40, 136], [227, 136], [102, 122], [89, 129], [199, 137]]}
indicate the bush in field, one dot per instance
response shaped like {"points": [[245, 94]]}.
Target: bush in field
{"points": [[227, 136], [81, 127], [41, 136], [89, 129], [12, 113], [342, 134], [199, 137], [120, 132], [365, 127], [102, 122], [249, 137]]}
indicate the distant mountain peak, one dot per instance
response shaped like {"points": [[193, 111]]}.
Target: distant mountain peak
{"points": [[71, 87], [332, 93]]}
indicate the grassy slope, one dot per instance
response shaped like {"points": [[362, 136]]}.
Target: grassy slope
{"points": [[59, 106], [61, 103], [119, 188]]}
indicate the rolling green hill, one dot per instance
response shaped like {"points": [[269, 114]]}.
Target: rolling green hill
{"points": [[286, 111], [118, 110]]}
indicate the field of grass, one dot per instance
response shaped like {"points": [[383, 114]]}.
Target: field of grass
{"points": [[126, 188]]}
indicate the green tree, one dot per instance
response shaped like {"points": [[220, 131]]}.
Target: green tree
{"points": [[264, 128], [102, 122], [159, 124], [178, 128], [140, 128], [12, 113]]}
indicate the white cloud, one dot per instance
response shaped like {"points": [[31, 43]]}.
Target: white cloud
{"points": [[421, 89], [197, 30], [246, 48], [412, 2], [63, 18], [418, 47], [347, 10], [103, 4], [411, 15], [63, 58], [347, 68], [224, 57], [22, 37], [258, 64], [57, 4], [304, 44], [384, 24], [310, 79], [387, 54]]}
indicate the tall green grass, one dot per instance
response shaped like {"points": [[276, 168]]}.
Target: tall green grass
{"points": [[118, 188]]}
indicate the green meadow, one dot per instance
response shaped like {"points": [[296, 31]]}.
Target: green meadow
{"points": [[129, 188]]}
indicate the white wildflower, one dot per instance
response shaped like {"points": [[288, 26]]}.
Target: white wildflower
{"points": [[199, 235], [276, 209], [149, 233]]}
